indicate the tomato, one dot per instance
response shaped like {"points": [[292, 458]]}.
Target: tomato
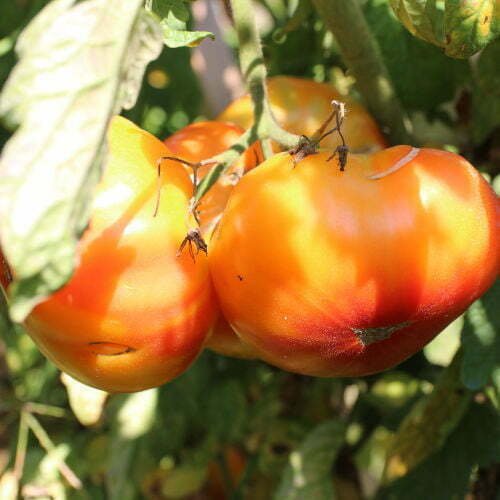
{"points": [[202, 140], [134, 315], [349, 273], [301, 106], [197, 142]]}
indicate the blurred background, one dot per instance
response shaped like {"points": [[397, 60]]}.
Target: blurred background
{"points": [[230, 429]]}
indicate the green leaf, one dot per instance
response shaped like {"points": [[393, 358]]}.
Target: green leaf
{"points": [[308, 473], [470, 25], [486, 93], [79, 64], [459, 27], [226, 412], [136, 417], [423, 76], [422, 18], [428, 424], [481, 340], [86, 402], [173, 16], [445, 474]]}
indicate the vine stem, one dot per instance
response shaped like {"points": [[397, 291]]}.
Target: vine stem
{"points": [[361, 53], [254, 73]]}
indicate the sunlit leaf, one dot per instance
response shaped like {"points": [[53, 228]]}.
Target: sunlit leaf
{"points": [[426, 427], [460, 27], [86, 402], [137, 415], [445, 474], [79, 64], [173, 16], [9, 485]]}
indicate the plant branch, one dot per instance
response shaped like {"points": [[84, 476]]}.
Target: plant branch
{"points": [[361, 53], [47, 444], [254, 73]]}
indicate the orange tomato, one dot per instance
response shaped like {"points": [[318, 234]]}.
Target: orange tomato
{"points": [[349, 273], [202, 140], [197, 142], [134, 315], [301, 106]]}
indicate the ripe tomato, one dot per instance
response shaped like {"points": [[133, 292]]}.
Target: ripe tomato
{"points": [[301, 106], [197, 142], [349, 273], [202, 140], [134, 315]]}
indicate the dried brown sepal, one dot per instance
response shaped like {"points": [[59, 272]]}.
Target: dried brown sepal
{"points": [[193, 238]]}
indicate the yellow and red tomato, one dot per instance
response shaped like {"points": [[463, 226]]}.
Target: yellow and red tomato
{"points": [[202, 140], [301, 106], [197, 142], [349, 273], [135, 314]]}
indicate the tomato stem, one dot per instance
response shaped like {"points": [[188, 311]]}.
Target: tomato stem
{"points": [[361, 53]]}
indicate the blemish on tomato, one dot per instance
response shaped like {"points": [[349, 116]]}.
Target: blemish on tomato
{"points": [[369, 336], [110, 348], [240, 277]]}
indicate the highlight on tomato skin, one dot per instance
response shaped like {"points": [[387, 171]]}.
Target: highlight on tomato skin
{"points": [[350, 273], [301, 106], [197, 142], [202, 140], [134, 315]]}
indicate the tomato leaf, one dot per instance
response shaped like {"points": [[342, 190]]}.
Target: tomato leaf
{"points": [[470, 25], [173, 16], [459, 27], [79, 64], [443, 75], [429, 423], [445, 474], [86, 402], [481, 341], [308, 473], [422, 18]]}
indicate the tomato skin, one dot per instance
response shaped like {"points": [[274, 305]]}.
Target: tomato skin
{"points": [[196, 142], [134, 315], [338, 274], [301, 106], [201, 140]]}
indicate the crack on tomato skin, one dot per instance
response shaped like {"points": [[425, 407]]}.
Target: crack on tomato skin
{"points": [[369, 336], [110, 348], [407, 158]]}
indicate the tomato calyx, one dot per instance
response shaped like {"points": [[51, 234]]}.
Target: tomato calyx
{"points": [[375, 334], [193, 238], [309, 146]]}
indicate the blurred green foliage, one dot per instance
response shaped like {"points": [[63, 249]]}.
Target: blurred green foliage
{"points": [[242, 429]]}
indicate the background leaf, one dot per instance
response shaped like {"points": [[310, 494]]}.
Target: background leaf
{"points": [[445, 474], [308, 472], [481, 340]]}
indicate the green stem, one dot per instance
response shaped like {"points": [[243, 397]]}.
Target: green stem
{"points": [[22, 445], [255, 74], [47, 444], [361, 53]]}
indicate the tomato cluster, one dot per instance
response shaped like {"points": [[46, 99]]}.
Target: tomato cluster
{"points": [[315, 270]]}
